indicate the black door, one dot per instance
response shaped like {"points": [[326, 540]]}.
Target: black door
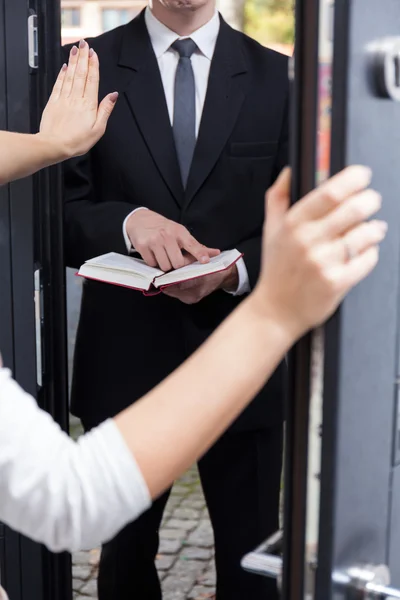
{"points": [[359, 522], [342, 509], [342, 479], [32, 299]]}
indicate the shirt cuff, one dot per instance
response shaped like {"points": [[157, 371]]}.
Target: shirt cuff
{"points": [[243, 277], [129, 248]]}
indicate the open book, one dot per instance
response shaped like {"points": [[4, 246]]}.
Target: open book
{"points": [[133, 273]]}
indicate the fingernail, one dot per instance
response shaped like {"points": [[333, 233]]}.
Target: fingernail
{"points": [[367, 172], [74, 50], [64, 67], [91, 52], [204, 258], [114, 97], [82, 44], [383, 226]]}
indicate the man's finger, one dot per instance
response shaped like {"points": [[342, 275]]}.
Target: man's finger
{"points": [[330, 194], [81, 71], [93, 78], [70, 74], [213, 252], [148, 257], [58, 86], [162, 258], [197, 250], [174, 253]]}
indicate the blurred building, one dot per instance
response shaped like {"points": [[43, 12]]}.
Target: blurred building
{"points": [[88, 18]]}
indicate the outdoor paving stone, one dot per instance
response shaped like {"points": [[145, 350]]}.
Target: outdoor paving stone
{"points": [[81, 572], [90, 589], [169, 546], [80, 558], [173, 502], [174, 595], [186, 513], [200, 592], [186, 525], [202, 536], [172, 534], [187, 568], [174, 584], [77, 585], [209, 577], [180, 490], [196, 504], [165, 562], [94, 557], [194, 553]]}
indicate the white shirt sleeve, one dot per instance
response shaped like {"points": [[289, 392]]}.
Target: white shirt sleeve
{"points": [[243, 279], [68, 495], [129, 247]]}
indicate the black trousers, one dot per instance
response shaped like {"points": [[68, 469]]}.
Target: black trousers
{"points": [[240, 476]]}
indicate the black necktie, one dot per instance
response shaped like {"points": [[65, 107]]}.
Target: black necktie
{"points": [[184, 125]]}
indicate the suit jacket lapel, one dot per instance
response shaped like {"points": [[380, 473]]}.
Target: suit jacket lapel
{"points": [[225, 94], [146, 97]]}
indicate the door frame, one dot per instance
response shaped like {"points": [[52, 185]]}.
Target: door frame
{"points": [[31, 239]]}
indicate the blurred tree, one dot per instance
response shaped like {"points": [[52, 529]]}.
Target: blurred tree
{"points": [[270, 21], [233, 12]]}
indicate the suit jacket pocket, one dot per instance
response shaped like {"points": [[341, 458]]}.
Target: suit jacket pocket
{"points": [[253, 149]]}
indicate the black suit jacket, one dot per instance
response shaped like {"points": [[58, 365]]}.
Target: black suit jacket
{"points": [[127, 343]]}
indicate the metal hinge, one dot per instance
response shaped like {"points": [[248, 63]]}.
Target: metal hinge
{"points": [[33, 41]]}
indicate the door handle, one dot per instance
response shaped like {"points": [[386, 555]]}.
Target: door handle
{"points": [[386, 66], [365, 582], [266, 560]]}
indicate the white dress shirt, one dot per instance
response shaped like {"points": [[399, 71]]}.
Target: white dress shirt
{"points": [[205, 38], [67, 495]]}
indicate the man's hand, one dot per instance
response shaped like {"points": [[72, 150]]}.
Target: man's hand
{"points": [[191, 292], [163, 243]]}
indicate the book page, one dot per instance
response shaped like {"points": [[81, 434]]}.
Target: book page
{"points": [[119, 262], [218, 263]]}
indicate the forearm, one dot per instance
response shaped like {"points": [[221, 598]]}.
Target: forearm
{"points": [[177, 421], [24, 154]]}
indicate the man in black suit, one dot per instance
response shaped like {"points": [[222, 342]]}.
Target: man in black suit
{"points": [[198, 134]]}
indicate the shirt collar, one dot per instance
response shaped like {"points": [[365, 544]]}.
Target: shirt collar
{"points": [[162, 38]]}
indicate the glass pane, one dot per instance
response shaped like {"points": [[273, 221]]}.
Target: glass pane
{"points": [[114, 17], [71, 17]]}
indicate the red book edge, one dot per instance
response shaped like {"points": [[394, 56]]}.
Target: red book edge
{"points": [[155, 291]]}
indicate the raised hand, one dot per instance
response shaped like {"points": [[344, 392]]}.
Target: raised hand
{"points": [[73, 119], [316, 251]]}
